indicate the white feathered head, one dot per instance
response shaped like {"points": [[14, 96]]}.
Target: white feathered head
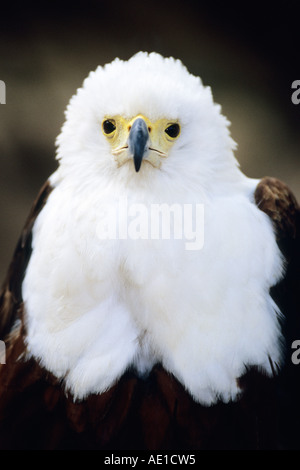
{"points": [[144, 118]]}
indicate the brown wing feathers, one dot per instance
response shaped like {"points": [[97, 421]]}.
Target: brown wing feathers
{"points": [[11, 296], [276, 200]]}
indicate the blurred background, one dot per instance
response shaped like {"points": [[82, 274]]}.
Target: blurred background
{"points": [[249, 57]]}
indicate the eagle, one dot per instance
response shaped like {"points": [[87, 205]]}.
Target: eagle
{"points": [[122, 335]]}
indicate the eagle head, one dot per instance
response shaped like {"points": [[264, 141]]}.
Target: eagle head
{"points": [[142, 118]]}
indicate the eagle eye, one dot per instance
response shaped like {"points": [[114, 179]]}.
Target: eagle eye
{"points": [[108, 126], [173, 130]]}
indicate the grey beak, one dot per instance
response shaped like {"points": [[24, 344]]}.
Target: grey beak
{"points": [[137, 141]]}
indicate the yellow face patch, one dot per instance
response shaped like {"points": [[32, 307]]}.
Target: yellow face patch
{"points": [[162, 134]]}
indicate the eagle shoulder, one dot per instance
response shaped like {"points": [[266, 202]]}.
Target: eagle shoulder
{"points": [[274, 197], [11, 292]]}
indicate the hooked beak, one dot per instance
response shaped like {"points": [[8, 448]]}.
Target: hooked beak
{"points": [[138, 142]]}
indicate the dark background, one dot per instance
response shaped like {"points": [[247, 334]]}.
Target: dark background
{"points": [[248, 55]]}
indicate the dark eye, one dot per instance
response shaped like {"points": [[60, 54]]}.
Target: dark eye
{"points": [[173, 130], [108, 126]]}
